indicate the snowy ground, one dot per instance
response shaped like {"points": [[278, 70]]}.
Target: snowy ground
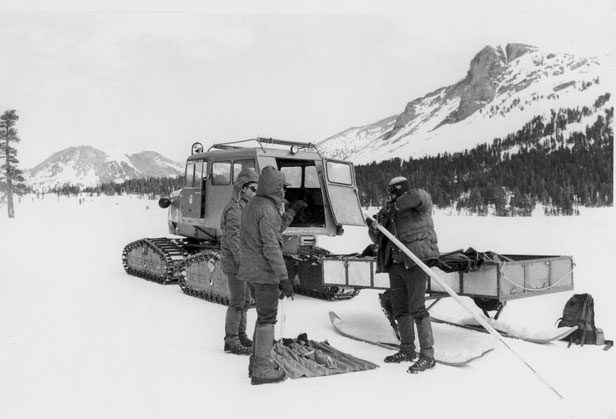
{"points": [[81, 339]]}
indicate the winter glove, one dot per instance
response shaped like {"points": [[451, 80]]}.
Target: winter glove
{"points": [[386, 213], [370, 223], [299, 205], [286, 289]]}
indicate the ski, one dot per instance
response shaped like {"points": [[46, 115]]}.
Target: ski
{"points": [[540, 337], [468, 349]]}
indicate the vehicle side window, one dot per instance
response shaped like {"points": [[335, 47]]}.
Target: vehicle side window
{"points": [[190, 175], [221, 172], [339, 173], [311, 178], [198, 173], [239, 165], [205, 172], [292, 175]]}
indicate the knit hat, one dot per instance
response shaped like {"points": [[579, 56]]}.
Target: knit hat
{"points": [[398, 185], [246, 176]]}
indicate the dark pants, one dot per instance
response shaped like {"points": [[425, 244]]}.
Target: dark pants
{"points": [[408, 291], [266, 301], [239, 292], [235, 320]]}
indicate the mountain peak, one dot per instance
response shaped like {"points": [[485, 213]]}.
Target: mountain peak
{"points": [[88, 166], [485, 62], [514, 51], [503, 85]]}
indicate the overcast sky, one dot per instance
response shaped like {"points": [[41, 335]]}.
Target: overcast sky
{"points": [[151, 78]]}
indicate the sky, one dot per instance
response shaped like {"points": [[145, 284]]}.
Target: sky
{"points": [[133, 76]]}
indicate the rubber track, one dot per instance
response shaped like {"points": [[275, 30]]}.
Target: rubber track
{"points": [[328, 294], [176, 258], [202, 294], [170, 252], [325, 293]]}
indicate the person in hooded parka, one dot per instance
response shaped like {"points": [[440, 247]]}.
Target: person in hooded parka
{"points": [[263, 268], [408, 216], [244, 188]]}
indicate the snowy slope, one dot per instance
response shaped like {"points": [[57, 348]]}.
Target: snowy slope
{"points": [[81, 339], [505, 87], [88, 166]]}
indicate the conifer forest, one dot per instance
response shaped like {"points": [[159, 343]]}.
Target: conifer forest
{"points": [[540, 163]]}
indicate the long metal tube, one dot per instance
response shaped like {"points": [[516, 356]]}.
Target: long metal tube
{"points": [[462, 303]]}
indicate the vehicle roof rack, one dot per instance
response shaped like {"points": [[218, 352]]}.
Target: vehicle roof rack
{"points": [[261, 141]]}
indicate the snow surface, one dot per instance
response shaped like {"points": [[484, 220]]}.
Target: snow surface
{"points": [[81, 339]]}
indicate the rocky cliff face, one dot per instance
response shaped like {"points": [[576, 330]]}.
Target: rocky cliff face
{"points": [[479, 86], [501, 85]]}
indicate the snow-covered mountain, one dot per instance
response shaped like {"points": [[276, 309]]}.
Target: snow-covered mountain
{"points": [[505, 87], [87, 166]]}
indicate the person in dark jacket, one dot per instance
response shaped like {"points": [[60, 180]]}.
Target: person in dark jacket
{"points": [[263, 267], [408, 216], [236, 340]]}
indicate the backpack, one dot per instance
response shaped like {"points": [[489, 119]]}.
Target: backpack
{"points": [[580, 311]]}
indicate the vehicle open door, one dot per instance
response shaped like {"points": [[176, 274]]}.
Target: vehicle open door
{"points": [[342, 193]]}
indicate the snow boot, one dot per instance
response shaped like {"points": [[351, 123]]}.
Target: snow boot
{"points": [[426, 350], [407, 342], [251, 360], [244, 339], [422, 364], [233, 343], [238, 349], [264, 370]]}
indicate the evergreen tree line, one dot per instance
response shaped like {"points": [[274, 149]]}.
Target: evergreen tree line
{"points": [[152, 187], [540, 163]]}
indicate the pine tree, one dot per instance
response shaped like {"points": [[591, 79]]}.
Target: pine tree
{"points": [[11, 179]]}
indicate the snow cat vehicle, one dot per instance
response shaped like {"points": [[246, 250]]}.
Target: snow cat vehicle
{"points": [[328, 186]]}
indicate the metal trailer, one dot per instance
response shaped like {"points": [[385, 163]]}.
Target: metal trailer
{"points": [[492, 285]]}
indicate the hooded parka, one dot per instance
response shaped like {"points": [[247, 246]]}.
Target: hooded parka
{"points": [[230, 222], [409, 218], [261, 232]]}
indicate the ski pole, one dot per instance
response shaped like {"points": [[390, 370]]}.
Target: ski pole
{"points": [[460, 301]]}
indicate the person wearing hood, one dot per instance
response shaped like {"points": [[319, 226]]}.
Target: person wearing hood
{"points": [[408, 216], [263, 267], [236, 339]]}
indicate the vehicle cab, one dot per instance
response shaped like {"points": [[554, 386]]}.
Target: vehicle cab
{"points": [[328, 186]]}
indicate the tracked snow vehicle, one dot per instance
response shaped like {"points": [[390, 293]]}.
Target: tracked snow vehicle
{"points": [[193, 259]]}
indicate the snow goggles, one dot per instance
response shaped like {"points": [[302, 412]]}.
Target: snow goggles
{"points": [[393, 189]]}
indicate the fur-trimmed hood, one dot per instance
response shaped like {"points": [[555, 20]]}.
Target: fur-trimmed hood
{"points": [[271, 182]]}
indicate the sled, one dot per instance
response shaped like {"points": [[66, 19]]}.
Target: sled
{"points": [[520, 276]]}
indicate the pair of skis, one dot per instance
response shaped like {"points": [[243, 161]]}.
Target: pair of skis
{"points": [[466, 351], [541, 336], [453, 349]]}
